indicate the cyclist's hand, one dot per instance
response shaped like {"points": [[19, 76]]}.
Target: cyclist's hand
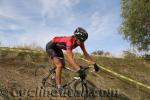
{"points": [[82, 73], [96, 67]]}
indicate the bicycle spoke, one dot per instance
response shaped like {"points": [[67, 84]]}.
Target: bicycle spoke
{"points": [[80, 88], [49, 80]]}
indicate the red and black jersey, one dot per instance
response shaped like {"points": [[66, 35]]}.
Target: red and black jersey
{"points": [[65, 42]]}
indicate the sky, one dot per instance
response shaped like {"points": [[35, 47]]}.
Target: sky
{"points": [[25, 22]]}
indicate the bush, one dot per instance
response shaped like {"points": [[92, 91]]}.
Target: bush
{"points": [[32, 46], [130, 55], [98, 52], [102, 53], [146, 57]]}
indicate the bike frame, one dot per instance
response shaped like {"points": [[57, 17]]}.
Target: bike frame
{"points": [[75, 78]]}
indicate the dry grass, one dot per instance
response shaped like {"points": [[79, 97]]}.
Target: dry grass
{"points": [[136, 69], [18, 69]]}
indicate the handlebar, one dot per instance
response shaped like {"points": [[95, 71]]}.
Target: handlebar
{"points": [[85, 68]]}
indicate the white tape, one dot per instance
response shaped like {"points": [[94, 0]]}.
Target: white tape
{"points": [[19, 50], [121, 76]]}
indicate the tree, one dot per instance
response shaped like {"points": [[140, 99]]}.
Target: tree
{"points": [[98, 52], [102, 53], [136, 23], [129, 55]]}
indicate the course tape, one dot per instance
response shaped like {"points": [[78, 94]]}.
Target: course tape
{"points": [[105, 69], [121, 76], [20, 50]]}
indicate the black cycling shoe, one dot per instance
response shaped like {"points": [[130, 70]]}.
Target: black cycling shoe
{"points": [[82, 73], [96, 68]]}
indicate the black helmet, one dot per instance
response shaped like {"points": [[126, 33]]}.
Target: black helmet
{"points": [[81, 34]]}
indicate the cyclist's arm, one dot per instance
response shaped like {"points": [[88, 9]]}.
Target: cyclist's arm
{"points": [[71, 59], [87, 56]]}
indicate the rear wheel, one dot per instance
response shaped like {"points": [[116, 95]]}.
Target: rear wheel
{"points": [[49, 80]]}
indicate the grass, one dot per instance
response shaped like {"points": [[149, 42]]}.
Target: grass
{"points": [[135, 69], [22, 66]]}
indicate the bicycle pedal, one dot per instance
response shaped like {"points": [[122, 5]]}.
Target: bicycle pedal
{"points": [[92, 70], [53, 77], [77, 78]]}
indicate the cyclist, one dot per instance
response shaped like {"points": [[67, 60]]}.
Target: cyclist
{"points": [[68, 43]]}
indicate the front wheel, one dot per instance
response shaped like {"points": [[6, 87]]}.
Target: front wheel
{"points": [[80, 88]]}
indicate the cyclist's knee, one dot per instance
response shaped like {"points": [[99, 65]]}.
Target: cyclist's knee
{"points": [[59, 66], [58, 63], [63, 63]]}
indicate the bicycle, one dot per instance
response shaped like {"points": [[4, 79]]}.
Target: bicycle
{"points": [[81, 86]]}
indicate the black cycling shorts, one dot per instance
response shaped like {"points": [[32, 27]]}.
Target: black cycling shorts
{"points": [[53, 51]]}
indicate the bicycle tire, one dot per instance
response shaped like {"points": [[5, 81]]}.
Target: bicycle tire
{"points": [[90, 85], [49, 80], [80, 88]]}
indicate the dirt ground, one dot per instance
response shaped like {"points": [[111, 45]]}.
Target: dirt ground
{"points": [[17, 75]]}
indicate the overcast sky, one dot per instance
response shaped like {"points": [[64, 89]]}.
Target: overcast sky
{"points": [[37, 21]]}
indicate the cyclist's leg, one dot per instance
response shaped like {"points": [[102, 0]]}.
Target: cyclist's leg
{"points": [[58, 60], [59, 63]]}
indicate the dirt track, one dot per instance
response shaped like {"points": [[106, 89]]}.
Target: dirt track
{"points": [[21, 76]]}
